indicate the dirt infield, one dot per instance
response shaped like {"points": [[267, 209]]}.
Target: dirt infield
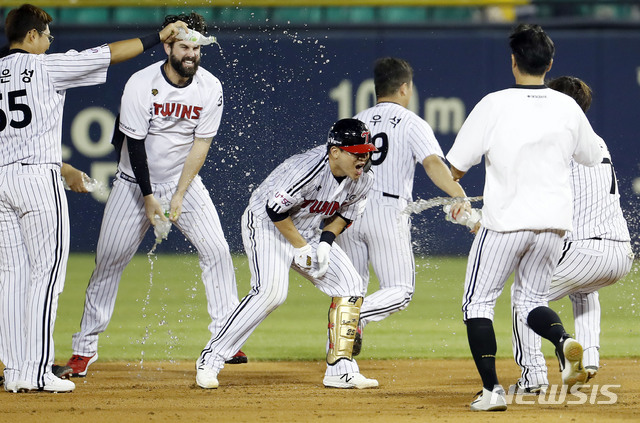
{"points": [[410, 391]]}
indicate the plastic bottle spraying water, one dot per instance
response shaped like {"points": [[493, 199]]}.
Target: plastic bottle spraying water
{"points": [[468, 219], [89, 183], [161, 228], [195, 37]]}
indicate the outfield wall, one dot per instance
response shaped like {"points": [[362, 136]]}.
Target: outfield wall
{"points": [[284, 89]]}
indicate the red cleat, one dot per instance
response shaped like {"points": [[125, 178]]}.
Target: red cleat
{"points": [[79, 364], [239, 358]]}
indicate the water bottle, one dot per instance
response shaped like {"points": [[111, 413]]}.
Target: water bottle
{"points": [[89, 183], [468, 219], [195, 37], [161, 228]]}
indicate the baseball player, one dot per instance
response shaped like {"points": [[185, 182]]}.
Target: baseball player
{"points": [[597, 253], [169, 113], [33, 207], [292, 220], [383, 234], [527, 134]]}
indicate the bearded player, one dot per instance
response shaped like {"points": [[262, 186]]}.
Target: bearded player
{"points": [[169, 114]]}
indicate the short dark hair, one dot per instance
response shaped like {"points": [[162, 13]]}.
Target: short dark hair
{"points": [[574, 88], [389, 73], [22, 20], [193, 20], [532, 49]]}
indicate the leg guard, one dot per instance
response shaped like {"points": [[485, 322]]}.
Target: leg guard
{"points": [[343, 322]]}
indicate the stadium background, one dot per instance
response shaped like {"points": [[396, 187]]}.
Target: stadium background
{"points": [[291, 68]]}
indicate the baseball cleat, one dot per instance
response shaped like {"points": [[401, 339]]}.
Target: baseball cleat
{"points": [[569, 354], [52, 383], [239, 358], [487, 400], [520, 389], [63, 372], [592, 371], [349, 380], [206, 377], [80, 364]]}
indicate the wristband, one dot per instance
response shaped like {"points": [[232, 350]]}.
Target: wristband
{"points": [[328, 237], [149, 41]]}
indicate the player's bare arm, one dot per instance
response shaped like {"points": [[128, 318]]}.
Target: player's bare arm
{"points": [[74, 178], [128, 49], [459, 207], [335, 225], [192, 165], [441, 176], [290, 232]]}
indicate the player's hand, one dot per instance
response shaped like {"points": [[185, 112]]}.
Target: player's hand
{"points": [[152, 208], [322, 253], [74, 178], [458, 208], [169, 32], [176, 207], [303, 257]]}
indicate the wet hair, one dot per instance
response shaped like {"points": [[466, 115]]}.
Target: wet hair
{"points": [[574, 88], [23, 19], [532, 49], [389, 73], [193, 20]]}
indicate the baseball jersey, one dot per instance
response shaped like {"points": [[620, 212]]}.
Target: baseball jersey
{"points": [[168, 117], [32, 93], [403, 139], [304, 187], [596, 202], [528, 136]]}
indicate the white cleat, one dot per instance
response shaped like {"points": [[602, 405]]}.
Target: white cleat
{"points": [[206, 377], [494, 400], [349, 380], [11, 386], [52, 383], [570, 357]]}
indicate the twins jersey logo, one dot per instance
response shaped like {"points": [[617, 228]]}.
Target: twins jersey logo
{"points": [[178, 110], [327, 208]]}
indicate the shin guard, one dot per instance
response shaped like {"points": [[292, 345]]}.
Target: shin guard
{"points": [[343, 322]]}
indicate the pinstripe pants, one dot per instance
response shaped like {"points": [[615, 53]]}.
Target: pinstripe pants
{"points": [[270, 258], [34, 249], [382, 235], [494, 256], [585, 266], [123, 228]]}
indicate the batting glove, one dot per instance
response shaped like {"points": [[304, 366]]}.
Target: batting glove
{"points": [[303, 257], [323, 258]]}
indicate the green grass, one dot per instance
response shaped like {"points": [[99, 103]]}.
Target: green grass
{"points": [[161, 315]]}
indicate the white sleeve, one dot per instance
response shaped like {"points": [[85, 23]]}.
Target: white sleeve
{"points": [[588, 150], [78, 69], [211, 114], [472, 140], [422, 141], [135, 113]]}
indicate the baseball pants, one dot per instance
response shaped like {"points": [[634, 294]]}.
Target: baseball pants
{"points": [[585, 267], [123, 228], [270, 258], [494, 256], [34, 249], [382, 235]]}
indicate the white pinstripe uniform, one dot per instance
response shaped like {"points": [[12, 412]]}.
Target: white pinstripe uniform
{"points": [[597, 253], [304, 187], [527, 136], [169, 118], [34, 218], [383, 234]]}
